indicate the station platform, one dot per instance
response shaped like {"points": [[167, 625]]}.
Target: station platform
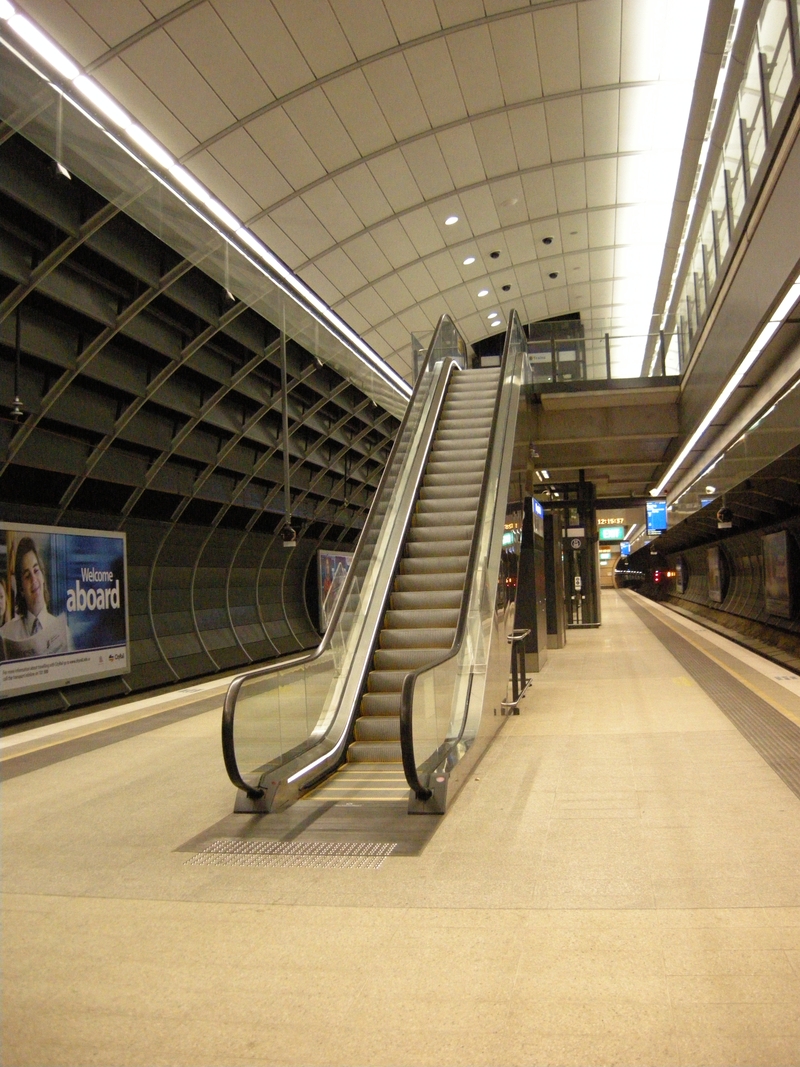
{"points": [[618, 882]]}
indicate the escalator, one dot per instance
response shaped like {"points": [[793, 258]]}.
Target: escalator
{"points": [[392, 697]]}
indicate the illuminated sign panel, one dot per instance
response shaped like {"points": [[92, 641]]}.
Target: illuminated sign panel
{"points": [[656, 516], [624, 549], [63, 607], [611, 533]]}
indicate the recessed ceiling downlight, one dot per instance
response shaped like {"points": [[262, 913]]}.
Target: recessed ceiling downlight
{"points": [[483, 292], [469, 261], [451, 220]]}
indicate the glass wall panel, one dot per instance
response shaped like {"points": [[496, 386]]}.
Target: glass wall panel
{"points": [[775, 43]]}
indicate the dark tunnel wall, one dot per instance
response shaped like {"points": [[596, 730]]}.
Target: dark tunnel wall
{"points": [[200, 600]]}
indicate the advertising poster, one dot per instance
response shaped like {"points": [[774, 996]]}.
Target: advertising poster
{"points": [[778, 560], [63, 607], [332, 568], [716, 576]]}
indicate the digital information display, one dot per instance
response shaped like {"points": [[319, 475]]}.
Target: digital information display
{"points": [[624, 549], [63, 607], [611, 533], [332, 568], [656, 516]]}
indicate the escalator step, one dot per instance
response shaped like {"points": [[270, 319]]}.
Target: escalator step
{"points": [[374, 752], [434, 564], [385, 681], [428, 534], [425, 600], [380, 704], [372, 728], [438, 548], [396, 659], [420, 637], [424, 583]]}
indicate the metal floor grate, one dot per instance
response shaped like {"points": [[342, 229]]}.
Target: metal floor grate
{"points": [[772, 735], [338, 855]]}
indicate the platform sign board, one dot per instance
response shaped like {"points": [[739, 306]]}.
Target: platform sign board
{"points": [[332, 568], [656, 516], [681, 575], [624, 548], [63, 607], [611, 533], [779, 573]]}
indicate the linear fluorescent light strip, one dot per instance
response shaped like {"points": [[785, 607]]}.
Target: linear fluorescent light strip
{"points": [[755, 350], [24, 28]]}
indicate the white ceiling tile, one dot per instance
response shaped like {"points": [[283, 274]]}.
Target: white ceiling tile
{"points": [[394, 333], [460, 303], [392, 174], [317, 33], [65, 25], [426, 163], [412, 20], [364, 195], [536, 307], [557, 48], [509, 200], [472, 52], [112, 23], [514, 45], [529, 278], [558, 301], [418, 281], [599, 30], [602, 225], [601, 293], [414, 320], [367, 256], [263, 36], [601, 264], [165, 69], [456, 12], [637, 105], [570, 182], [576, 267], [394, 89], [546, 229], [353, 317], [374, 340], [574, 232], [636, 182], [341, 270], [529, 130], [274, 237], [493, 242], [601, 182], [216, 177], [282, 142], [358, 109], [206, 41], [321, 285], [395, 243], [642, 36], [435, 77], [302, 226], [480, 210], [565, 128], [422, 231], [243, 158], [366, 26], [371, 306], [495, 145], [435, 308], [461, 155], [540, 193], [129, 89], [394, 293], [633, 222], [443, 270], [333, 211], [601, 122], [519, 241], [315, 118]]}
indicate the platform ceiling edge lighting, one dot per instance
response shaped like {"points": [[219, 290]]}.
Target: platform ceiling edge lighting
{"points": [[106, 109], [762, 339]]}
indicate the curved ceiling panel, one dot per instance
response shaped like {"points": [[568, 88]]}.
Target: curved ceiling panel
{"points": [[349, 133]]}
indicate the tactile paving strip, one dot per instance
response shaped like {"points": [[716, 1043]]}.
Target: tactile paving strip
{"points": [[340, 855], [772, 735]]}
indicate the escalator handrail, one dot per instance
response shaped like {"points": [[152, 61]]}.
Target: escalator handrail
{"points": [[229, 704], [410, 680]]}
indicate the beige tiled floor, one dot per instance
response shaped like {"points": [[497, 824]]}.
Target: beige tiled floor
{"points": [[619, 883]]}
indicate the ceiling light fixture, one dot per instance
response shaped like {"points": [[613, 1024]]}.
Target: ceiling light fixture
{"points": [[451, 220], [483, 292], [711, 489], [492, 315], [762, 340], [469, 261], [546, 475], [106, 106]]}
